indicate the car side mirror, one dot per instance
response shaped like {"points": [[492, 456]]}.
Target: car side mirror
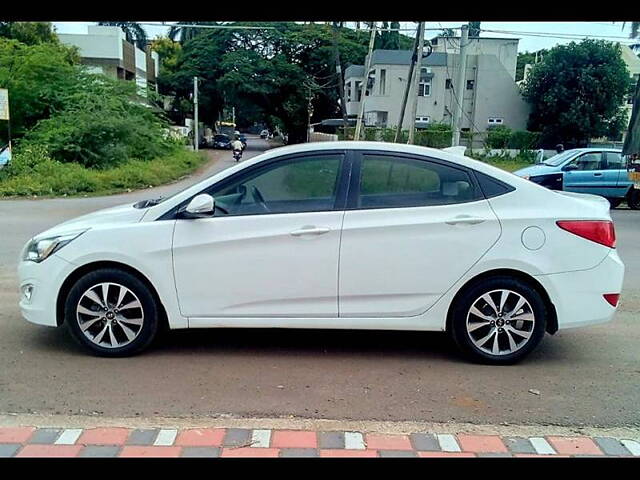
{"points": [[570, 167], [200, 206]]}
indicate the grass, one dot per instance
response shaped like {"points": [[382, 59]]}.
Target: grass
{"points": [[47, 177], [510, 165]]}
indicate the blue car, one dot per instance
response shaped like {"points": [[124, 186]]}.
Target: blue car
{"points": [[598, 171]]}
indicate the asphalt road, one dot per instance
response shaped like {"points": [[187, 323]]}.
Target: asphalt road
{"points": [[586, 377]]}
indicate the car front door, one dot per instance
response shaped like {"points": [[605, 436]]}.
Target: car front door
{"points": [[412, 228], [584, 174], [271, 249]]}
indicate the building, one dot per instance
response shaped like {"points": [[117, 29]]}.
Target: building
{"points": [[105, 50], [490, 96]]}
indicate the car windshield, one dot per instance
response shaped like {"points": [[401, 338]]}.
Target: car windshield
{"points": [[221, 138], [558, 159]]}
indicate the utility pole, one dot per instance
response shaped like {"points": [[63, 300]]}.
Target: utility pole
{"points": [[195, 114], [407, 88], [416, 84], [233, 116], [343, 105], [458, 90], [367, 67]]}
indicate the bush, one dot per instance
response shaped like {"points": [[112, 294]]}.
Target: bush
{"points": [[498, 137], [524, 140]]}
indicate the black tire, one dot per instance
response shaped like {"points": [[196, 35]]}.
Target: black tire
{"points": [[469, 297], [145, 334], [633, 199], [614, 202]]}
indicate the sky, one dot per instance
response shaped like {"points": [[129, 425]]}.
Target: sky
{"points": [[533, 35]]}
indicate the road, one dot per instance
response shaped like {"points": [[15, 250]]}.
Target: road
{"points": [[586, 377]]}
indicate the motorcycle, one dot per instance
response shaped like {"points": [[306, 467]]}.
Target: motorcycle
{"points": [[237, 155]]}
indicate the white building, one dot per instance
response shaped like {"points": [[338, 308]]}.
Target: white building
{"points": [[105, 50], [490, 96]]}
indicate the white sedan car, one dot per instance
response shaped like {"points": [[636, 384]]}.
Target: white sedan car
{"points": [[352, 235]]}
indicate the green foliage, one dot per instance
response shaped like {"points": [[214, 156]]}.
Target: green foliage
{"points": [[525, 58], [505, 162], [101, 124], [29, 33], [474, 29], [36, 76], [576, 92], [33, 172], [524, 140], [168, 51], [498, 137]]}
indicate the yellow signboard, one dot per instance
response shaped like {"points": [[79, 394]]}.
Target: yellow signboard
{"points": [[4, 104]]}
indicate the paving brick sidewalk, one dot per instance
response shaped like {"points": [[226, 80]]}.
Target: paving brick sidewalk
{"points": [[239, 442]]}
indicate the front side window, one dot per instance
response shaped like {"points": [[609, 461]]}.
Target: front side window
{"points": [[388, 181], [306, 184], [588, 161]]}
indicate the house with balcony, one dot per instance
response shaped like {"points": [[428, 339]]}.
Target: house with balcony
{"points": [[105, 50], [490, 96]]}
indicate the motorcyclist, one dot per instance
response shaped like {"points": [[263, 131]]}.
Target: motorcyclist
{"points": [[237, 146]]}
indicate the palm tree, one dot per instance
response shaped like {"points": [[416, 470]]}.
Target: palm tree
{"points": [[133, 32], [184, 34], [632, 139]]}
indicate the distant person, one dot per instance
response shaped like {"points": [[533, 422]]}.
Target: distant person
{"points": [[236, 145], [559, 148]]}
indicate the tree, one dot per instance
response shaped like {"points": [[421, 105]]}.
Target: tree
{"points": [[133, 32], [183, 34], [577, 92], [168, 51], [525, 58], [474, 29], [30, 33], [36, 75]]}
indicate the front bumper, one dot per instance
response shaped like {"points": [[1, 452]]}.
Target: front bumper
{"points": [[46, 278], [578, 296]]}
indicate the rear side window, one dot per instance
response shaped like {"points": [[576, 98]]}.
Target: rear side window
{"points": [[492, 187], [613, 161], [389, 181]]}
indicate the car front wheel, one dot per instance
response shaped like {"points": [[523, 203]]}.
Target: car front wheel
{"points": [[499, 320], [111, 313]]}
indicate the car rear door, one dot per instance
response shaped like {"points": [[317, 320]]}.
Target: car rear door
{"points": [[615, 175], [412, 228]]}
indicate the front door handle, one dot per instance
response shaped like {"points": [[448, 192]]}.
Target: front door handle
{"points": [[597, 174], [310, 230], [465, 220]]}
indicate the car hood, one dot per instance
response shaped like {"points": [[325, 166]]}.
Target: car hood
{"points": [[538, 169], [121, 214]]}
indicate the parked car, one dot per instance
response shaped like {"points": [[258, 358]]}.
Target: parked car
{"points": [[351, 235], [598, 171], [264, 134], [222, 141]]}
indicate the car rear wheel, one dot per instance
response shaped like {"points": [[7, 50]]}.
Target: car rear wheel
{"points": [[111, 313], [499, 320], [633, 199]]}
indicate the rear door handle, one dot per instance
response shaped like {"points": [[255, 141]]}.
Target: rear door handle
{"points": [[465, 220], [310, 230]]}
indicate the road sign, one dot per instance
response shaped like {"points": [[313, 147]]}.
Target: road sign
{"points": [[4, 104]]}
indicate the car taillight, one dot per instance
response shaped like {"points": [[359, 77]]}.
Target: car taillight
{"points": [[599, 231], [612, 298]]}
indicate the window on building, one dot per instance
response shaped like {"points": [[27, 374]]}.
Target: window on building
{"points": [[423, 119], [448, 85], [495, 121], [424, 89], [470, 84], [358, 91], [383, 81], [348, 92]]}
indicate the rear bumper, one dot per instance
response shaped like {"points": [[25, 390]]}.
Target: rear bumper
{"points": [[578, 296]]}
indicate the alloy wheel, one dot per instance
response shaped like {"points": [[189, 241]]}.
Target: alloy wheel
{"points": [[110, 315], [500, 322]]}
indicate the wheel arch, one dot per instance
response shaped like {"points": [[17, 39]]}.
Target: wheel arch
{"points": [[74, 276], [552, 321]]}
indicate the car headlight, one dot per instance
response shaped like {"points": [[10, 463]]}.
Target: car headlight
{"points": [[38, 249]]}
